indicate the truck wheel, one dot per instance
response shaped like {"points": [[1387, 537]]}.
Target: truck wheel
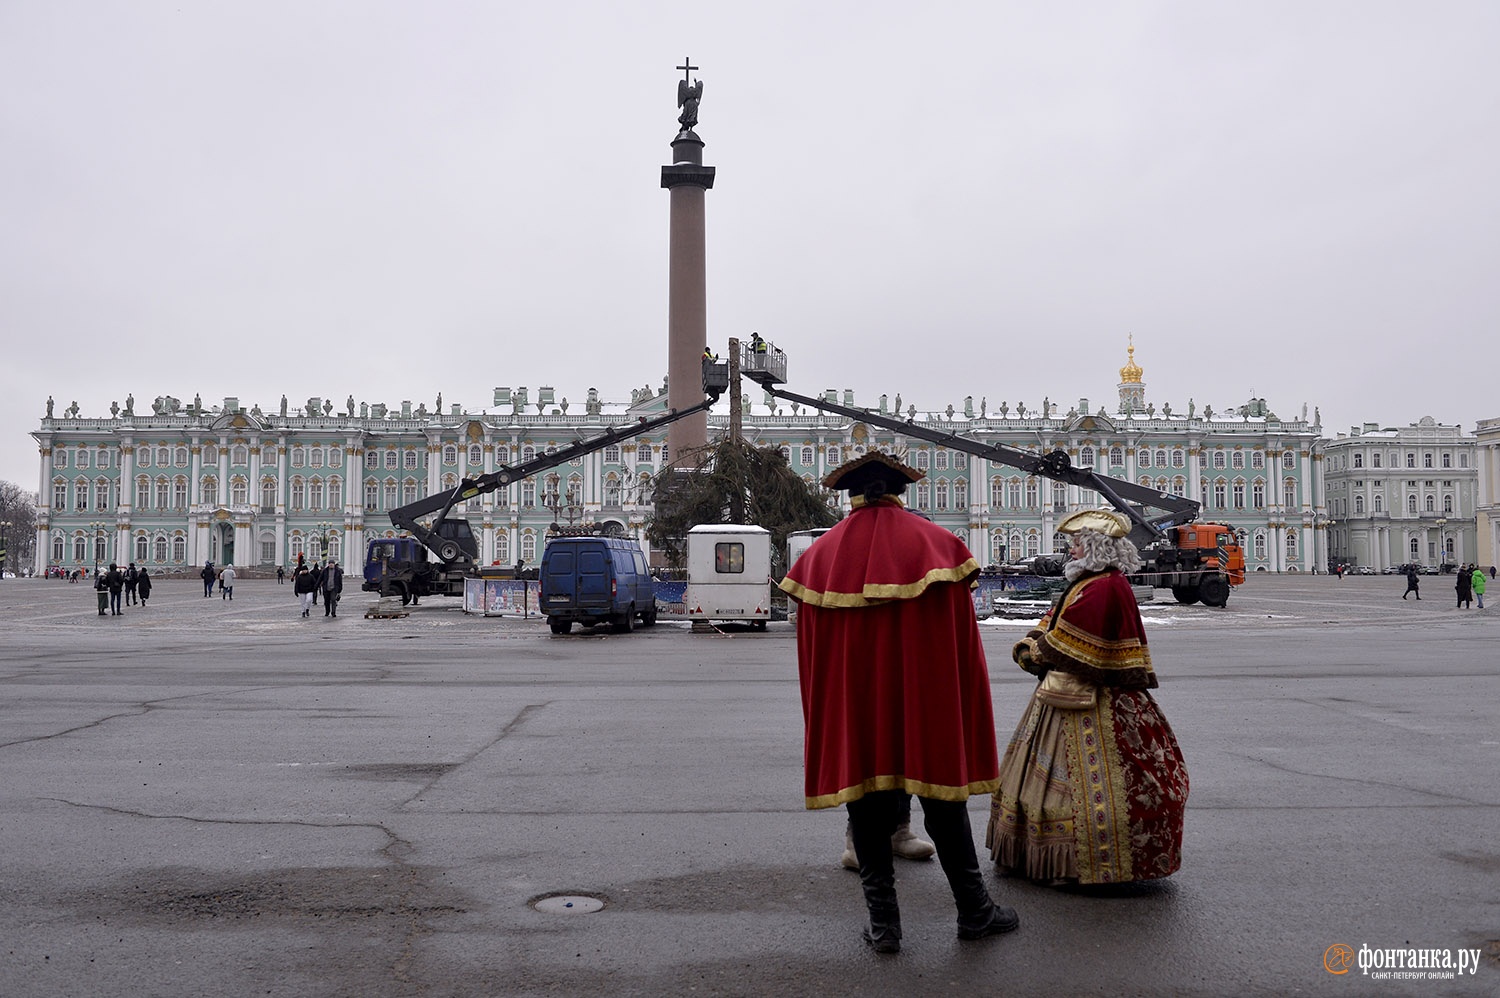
{"points": [[559, 626], [625, 622], [1187, 594], [448, 551], [400, 590], [1214, 590], [648, 619], [759, 625]]}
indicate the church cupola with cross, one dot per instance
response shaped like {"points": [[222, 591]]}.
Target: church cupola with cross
{"points": [[1132, 388]]}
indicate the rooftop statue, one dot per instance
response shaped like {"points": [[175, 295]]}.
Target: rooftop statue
{"points": [[49, 406], [688, 96]]}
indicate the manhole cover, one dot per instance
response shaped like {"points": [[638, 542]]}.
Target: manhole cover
{"points": [[568, 904]]}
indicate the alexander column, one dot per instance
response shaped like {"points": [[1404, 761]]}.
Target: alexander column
{"points": [[687, 302]]}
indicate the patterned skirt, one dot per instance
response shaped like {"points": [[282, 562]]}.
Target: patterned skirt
{"points": [[1095, 796]]}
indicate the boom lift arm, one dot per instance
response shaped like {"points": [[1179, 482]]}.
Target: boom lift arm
{"points": [[768, 369], [450, 550]]}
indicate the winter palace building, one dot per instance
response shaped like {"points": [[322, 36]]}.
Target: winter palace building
{"points": [[180, 485]]}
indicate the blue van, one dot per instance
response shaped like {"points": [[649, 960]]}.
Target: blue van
{"points": [[592, 580]]}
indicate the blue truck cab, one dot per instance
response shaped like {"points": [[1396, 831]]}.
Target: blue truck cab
{"points": [[594, 580]]}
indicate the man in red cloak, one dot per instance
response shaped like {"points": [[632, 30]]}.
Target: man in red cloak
{"points": [[895, 692]]}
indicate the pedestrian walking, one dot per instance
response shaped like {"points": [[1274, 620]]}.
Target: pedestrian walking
{"points": [[333, 587], [226, 583], [143, 585], [1478, 585], [101, 590], [1412, 582], [114, 581], [207, 575], [132, 576], [1465, 587], [317, 577], [895, 691], [280, 576], [302, 587]]}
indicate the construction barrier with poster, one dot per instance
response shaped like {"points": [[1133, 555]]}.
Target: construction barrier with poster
{"points": [[501, 597]]}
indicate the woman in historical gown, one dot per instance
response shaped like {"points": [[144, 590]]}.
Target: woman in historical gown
{"points": [[1092, 784]]}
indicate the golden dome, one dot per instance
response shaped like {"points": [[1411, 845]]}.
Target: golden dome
{"points": [[1131, 373]]}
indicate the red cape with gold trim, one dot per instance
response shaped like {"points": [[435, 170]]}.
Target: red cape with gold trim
{"points": [[895, 690]]}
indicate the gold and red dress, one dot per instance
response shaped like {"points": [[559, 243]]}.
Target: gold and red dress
{"points": [[895, 691], [1093, 786]]}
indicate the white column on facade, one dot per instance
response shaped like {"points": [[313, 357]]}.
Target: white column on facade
{"points": [[223, 469]]}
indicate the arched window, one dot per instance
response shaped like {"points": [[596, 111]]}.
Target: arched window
{"points": [[372, 495], [409, 458], [1221, 493], [807, 457], [997, 492], [1237, 460], [611, 491], [528, 545], [315, 494], [1260, 546], [163, 494], [161, 548], [502, 547], [1289, 460], [476, 455], [940, 459], [268, 493], [960, 494], [335, 457], [181, 459], [1239, 493], [299, 495], [142, 547], [1291, 545], [1258, 494], [210, 491], [940, 495], [833, 455], [1033, 494], [1161, 458], [1379, 503], [297, 544], [409, 491], [1144, 459], [1013, 493], [163, 457], [299, 457], [1033, 543], [390, 459], [997, 548], [1289, 493], [239, 455], [315, 457], [923, 460], [1218, 459], [1060, 497], [1447, 504], [1429, 503], [1179, 486], [643, 453], [1359, 505], [1086, 457], [1179, 459], [1411, 504], [179, 549], [924, 495], [372, 459], [239, 491], [1117, 457], [80, 548], [101, 494]]}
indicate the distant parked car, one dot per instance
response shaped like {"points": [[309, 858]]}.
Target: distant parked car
{"points": [[1364, 570]]}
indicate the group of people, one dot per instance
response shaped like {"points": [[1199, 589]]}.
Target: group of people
{"points": [[225, 577], [1470, 585], [114, 587], [307, 583], [1092, 787]]}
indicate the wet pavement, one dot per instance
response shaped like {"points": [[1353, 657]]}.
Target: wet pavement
{"points": [[204, 797]]}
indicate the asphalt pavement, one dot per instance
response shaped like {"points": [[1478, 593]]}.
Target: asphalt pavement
{"points": [[205, 797]]}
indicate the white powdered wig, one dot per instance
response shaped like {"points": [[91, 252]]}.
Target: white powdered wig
{"points": [[1102, 552]]}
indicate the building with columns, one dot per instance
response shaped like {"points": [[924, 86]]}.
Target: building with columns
{"points": [[1487, 501], [1404, 494], [184, 485]]}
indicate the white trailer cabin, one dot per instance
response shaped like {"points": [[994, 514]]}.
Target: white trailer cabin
{"points": [[729, 573], [799, 541]]}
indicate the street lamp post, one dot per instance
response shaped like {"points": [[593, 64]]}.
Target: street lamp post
{"points": [[323, 529], [98, 529], [1442, 522]]}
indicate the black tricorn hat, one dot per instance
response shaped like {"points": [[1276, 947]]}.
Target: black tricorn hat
{"points": [[876, 466]]}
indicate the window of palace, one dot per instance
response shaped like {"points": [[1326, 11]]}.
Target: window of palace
{"points": [[239, 455], [960, 494], [1218, 459], [409, 458], [390, 460], [940, 460], [923, 460], [833, 455], [1145, 458], [612, 454], [1086, 457], [1237, 460], [1288, 460], [315, 457], [1117, 457], [1257, 459]]}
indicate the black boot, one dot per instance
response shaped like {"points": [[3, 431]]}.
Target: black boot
{"points": [[872, 819], [947, 825]]}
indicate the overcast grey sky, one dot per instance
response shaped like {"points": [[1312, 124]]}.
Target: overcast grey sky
{"points": [[1296, 200]]}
